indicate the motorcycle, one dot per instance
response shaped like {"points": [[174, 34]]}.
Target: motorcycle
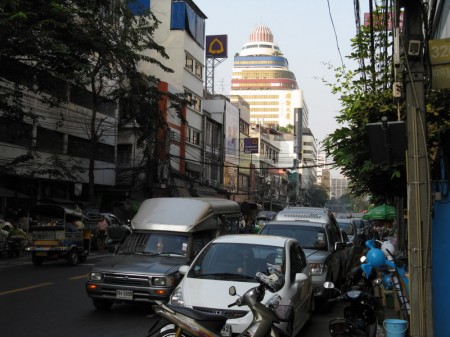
{"points": [[181, 321], [16, 245], [361, 315]]}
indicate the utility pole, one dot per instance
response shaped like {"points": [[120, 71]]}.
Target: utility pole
{"points": [[418, 181]]}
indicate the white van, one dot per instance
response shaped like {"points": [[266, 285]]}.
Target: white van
{"points": [[167, 233]]}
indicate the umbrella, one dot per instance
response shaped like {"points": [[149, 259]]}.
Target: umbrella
{"points": [[382, 212]]}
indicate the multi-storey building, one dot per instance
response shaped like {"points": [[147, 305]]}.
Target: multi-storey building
{"points": [[188, 148], [309, 158], [339, 187], [262, 77], [56, 146]]}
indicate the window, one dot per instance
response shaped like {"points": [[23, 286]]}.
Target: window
{"points": [[15, 133], [194, 66], [124, 154], [193, 136], [49, 140], [194, 100], [198, 70], [189, 63], [80, 147]]}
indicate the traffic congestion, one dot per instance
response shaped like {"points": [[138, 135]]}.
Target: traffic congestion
{"points": [[298, 269]]}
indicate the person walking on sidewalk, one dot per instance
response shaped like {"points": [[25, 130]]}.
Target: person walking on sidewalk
{"points": [[102, 231]]}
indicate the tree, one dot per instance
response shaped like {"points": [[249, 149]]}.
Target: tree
{"points": [[117, 39], [317, 196], [95, 44], [36, 47], [365, 96]]}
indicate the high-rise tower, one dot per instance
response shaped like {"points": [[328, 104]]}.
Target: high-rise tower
{"points": [[262, 77]]}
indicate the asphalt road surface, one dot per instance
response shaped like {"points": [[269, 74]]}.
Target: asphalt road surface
{"points": [[50, 301]]}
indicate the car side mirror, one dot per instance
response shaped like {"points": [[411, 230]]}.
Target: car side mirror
{"points": [[339, 245], [183, 269], [301, 277], [232, 291]]}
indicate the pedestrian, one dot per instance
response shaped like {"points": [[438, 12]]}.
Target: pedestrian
{"points": [[101, 236], [242, 225]]}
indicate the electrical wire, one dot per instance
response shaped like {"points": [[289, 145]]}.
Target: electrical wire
{"points": [[335, 34]]}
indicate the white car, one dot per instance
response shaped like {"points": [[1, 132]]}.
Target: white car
{"points": [[234, 260]]}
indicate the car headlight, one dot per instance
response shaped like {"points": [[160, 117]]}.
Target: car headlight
{"points": [[317, 268], [95, 276], [164, 281], [177, 297]]}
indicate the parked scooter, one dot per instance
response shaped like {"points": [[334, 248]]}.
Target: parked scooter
{"points": [[16, 245], [361, 315], [181, 321]]}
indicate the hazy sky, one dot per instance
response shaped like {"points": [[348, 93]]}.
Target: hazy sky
{"points": [[304, 32]]}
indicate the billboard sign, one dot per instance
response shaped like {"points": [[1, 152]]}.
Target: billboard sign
{"points": [[251, 145], [216, 46]]}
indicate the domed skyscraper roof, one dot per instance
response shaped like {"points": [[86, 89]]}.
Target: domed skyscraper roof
{"points": [[260, 42], [260, 34]]}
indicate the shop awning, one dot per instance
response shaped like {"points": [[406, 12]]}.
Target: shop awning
{"points": [[381, 212], [6, 193], [183, 192], [204, 191], [194, 167]]}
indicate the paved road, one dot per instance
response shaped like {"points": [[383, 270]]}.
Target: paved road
{"points": [[50, 301]]}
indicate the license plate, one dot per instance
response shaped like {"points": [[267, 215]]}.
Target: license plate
{"points": [[124, 294], [226, 330], [41, 253]]}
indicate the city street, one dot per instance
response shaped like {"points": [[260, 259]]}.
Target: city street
{"points": [[51, 301]]}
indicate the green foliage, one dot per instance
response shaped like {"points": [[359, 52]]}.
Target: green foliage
{"points": [[48, 46], [365, 96], [316, 196]]}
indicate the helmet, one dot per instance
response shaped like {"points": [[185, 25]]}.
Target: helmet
{"points": [[388, 249], [375, 257], [387, 281]]}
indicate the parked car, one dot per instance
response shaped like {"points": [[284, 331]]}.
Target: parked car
{"points": [[262, 218], [167, 233], [319, 235], [348, 227], [234, 260]]}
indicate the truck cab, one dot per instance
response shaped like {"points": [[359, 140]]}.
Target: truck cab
{"points": [[166, 234]]}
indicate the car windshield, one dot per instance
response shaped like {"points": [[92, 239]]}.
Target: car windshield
{"points": [[309, 237], [236, 261], [345, 226], [155, 244]]}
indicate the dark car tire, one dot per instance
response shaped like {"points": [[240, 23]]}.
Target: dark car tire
{"points": [[37, 261], [102, 304], [73, 257]]}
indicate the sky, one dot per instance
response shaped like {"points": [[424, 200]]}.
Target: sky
{"points": [[303, 29]]}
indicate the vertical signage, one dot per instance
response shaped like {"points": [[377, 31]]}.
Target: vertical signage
{"points": [[217, 46]]}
